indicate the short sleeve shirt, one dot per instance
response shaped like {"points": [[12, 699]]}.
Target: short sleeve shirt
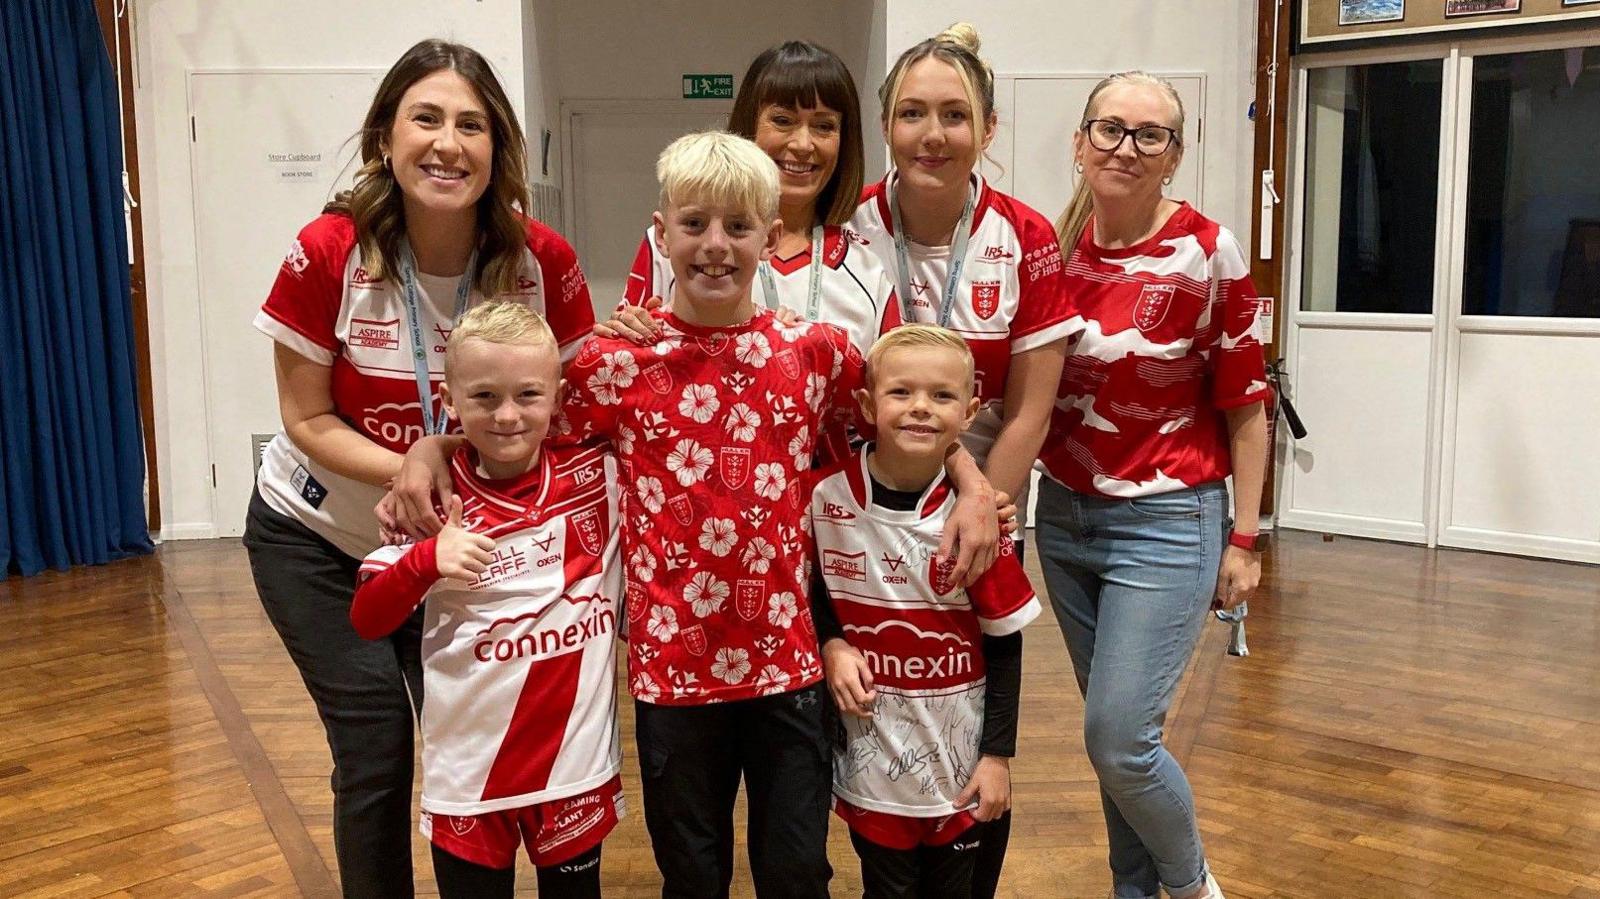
{"points": [[1171, 341], [715, 429]]}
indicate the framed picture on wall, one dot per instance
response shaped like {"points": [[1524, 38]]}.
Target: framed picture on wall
{"points": [[1360, 12], [1578, 2], [1479, 7]]}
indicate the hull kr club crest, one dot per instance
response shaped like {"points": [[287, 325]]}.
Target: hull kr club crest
{"points": [[734, 465], [590, 531], [747, 597], [1151, 310], [939, 571], [694, 640], [985, 298], [788, 362], [659, 379]]}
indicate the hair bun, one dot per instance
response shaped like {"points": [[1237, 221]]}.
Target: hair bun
{"points": [[963, 35]]}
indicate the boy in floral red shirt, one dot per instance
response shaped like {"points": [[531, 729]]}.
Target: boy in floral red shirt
{"points": [[715, 425]]}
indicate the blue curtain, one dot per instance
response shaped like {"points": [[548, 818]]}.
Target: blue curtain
{"points": [[71, 453]]}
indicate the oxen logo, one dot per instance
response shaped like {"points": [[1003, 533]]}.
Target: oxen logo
{"points": [[734, 464], [589, 530], [747, 597], [986, 298], [1151, 309], [659, 379]]}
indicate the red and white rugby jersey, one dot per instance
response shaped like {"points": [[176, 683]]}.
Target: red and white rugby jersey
{"points": [[855, 292], [922, 637], [1010, 299], [715, 429], [325, 307], [1172, 339], [519, 665]]}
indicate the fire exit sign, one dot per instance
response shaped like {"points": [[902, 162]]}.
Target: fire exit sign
{"points": [[708, 87]]}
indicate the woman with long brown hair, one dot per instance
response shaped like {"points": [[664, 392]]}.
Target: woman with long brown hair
{"points": [[359, 315], [1161, 400]]}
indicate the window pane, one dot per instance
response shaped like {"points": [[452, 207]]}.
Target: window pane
{"points": [[1533, 192], [1372, 177]]}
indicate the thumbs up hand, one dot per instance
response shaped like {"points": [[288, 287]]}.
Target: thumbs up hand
{"points": [[460, 554]]}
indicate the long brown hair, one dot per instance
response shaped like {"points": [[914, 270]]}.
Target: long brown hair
{"points": [[1073, 219], [802, 75], [375, 202]]}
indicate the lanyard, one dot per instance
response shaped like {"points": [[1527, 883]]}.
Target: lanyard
{"points": [[958, 258], [419, 350], [769, 285]]}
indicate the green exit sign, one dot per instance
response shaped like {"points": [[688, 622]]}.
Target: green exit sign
{"points": [[708, 87]]}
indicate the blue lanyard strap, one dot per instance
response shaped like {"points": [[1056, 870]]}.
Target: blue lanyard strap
{"points": [[769, 284], [958, 257], [419, 349]]}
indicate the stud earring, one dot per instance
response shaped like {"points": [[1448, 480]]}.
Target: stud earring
{"points": [[1167, 180]]}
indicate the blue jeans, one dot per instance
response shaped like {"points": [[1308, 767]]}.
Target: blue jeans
{"points": [[1131, 582]]}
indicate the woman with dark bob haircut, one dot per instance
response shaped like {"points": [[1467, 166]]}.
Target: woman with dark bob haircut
{"points": [[432, 226]]}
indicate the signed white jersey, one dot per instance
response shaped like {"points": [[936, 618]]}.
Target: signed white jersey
{"points": [[922, 638]]}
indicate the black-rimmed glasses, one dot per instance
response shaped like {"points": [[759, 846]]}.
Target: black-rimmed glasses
{"points": [[1106, 136]]}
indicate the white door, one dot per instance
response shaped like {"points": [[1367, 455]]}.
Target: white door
{"points": [[1446, 334], [268, 149], [611, 149]]}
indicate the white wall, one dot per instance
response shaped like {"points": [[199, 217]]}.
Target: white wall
{"points": [[1029, 37], [173, 37]]}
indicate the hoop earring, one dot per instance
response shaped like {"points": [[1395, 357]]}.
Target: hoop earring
{"points": [[386, 160], [1077, 167]]}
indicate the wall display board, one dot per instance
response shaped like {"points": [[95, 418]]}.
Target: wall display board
{"points": [[1323, 21]]}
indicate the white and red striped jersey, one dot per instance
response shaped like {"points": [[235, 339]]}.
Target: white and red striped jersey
{"points": [[326, 307], [715, 430], [1010, 298], [518, 665], [922, 638], [854, 291], [1172, 339]]}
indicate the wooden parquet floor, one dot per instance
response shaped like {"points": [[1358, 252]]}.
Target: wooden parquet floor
{"points": [[1410, 723]]}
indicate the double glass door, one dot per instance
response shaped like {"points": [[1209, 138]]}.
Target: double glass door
{"points": [[1444, 313]]}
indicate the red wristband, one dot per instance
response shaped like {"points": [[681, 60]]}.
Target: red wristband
{"points": [[1251, 542]]}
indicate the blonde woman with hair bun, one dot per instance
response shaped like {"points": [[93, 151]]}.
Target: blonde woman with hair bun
{"points": [[1162, 400], [970, 258]]}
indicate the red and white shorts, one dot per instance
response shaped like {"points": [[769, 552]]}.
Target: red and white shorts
{"points": [[901, 832], [552, 831]]}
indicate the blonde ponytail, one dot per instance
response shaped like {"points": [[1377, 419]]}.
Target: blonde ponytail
{"points": [[1069, 227]]}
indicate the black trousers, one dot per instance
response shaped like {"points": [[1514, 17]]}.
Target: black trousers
{"points": [[926, 872], [691, 759], [365, 692]]}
